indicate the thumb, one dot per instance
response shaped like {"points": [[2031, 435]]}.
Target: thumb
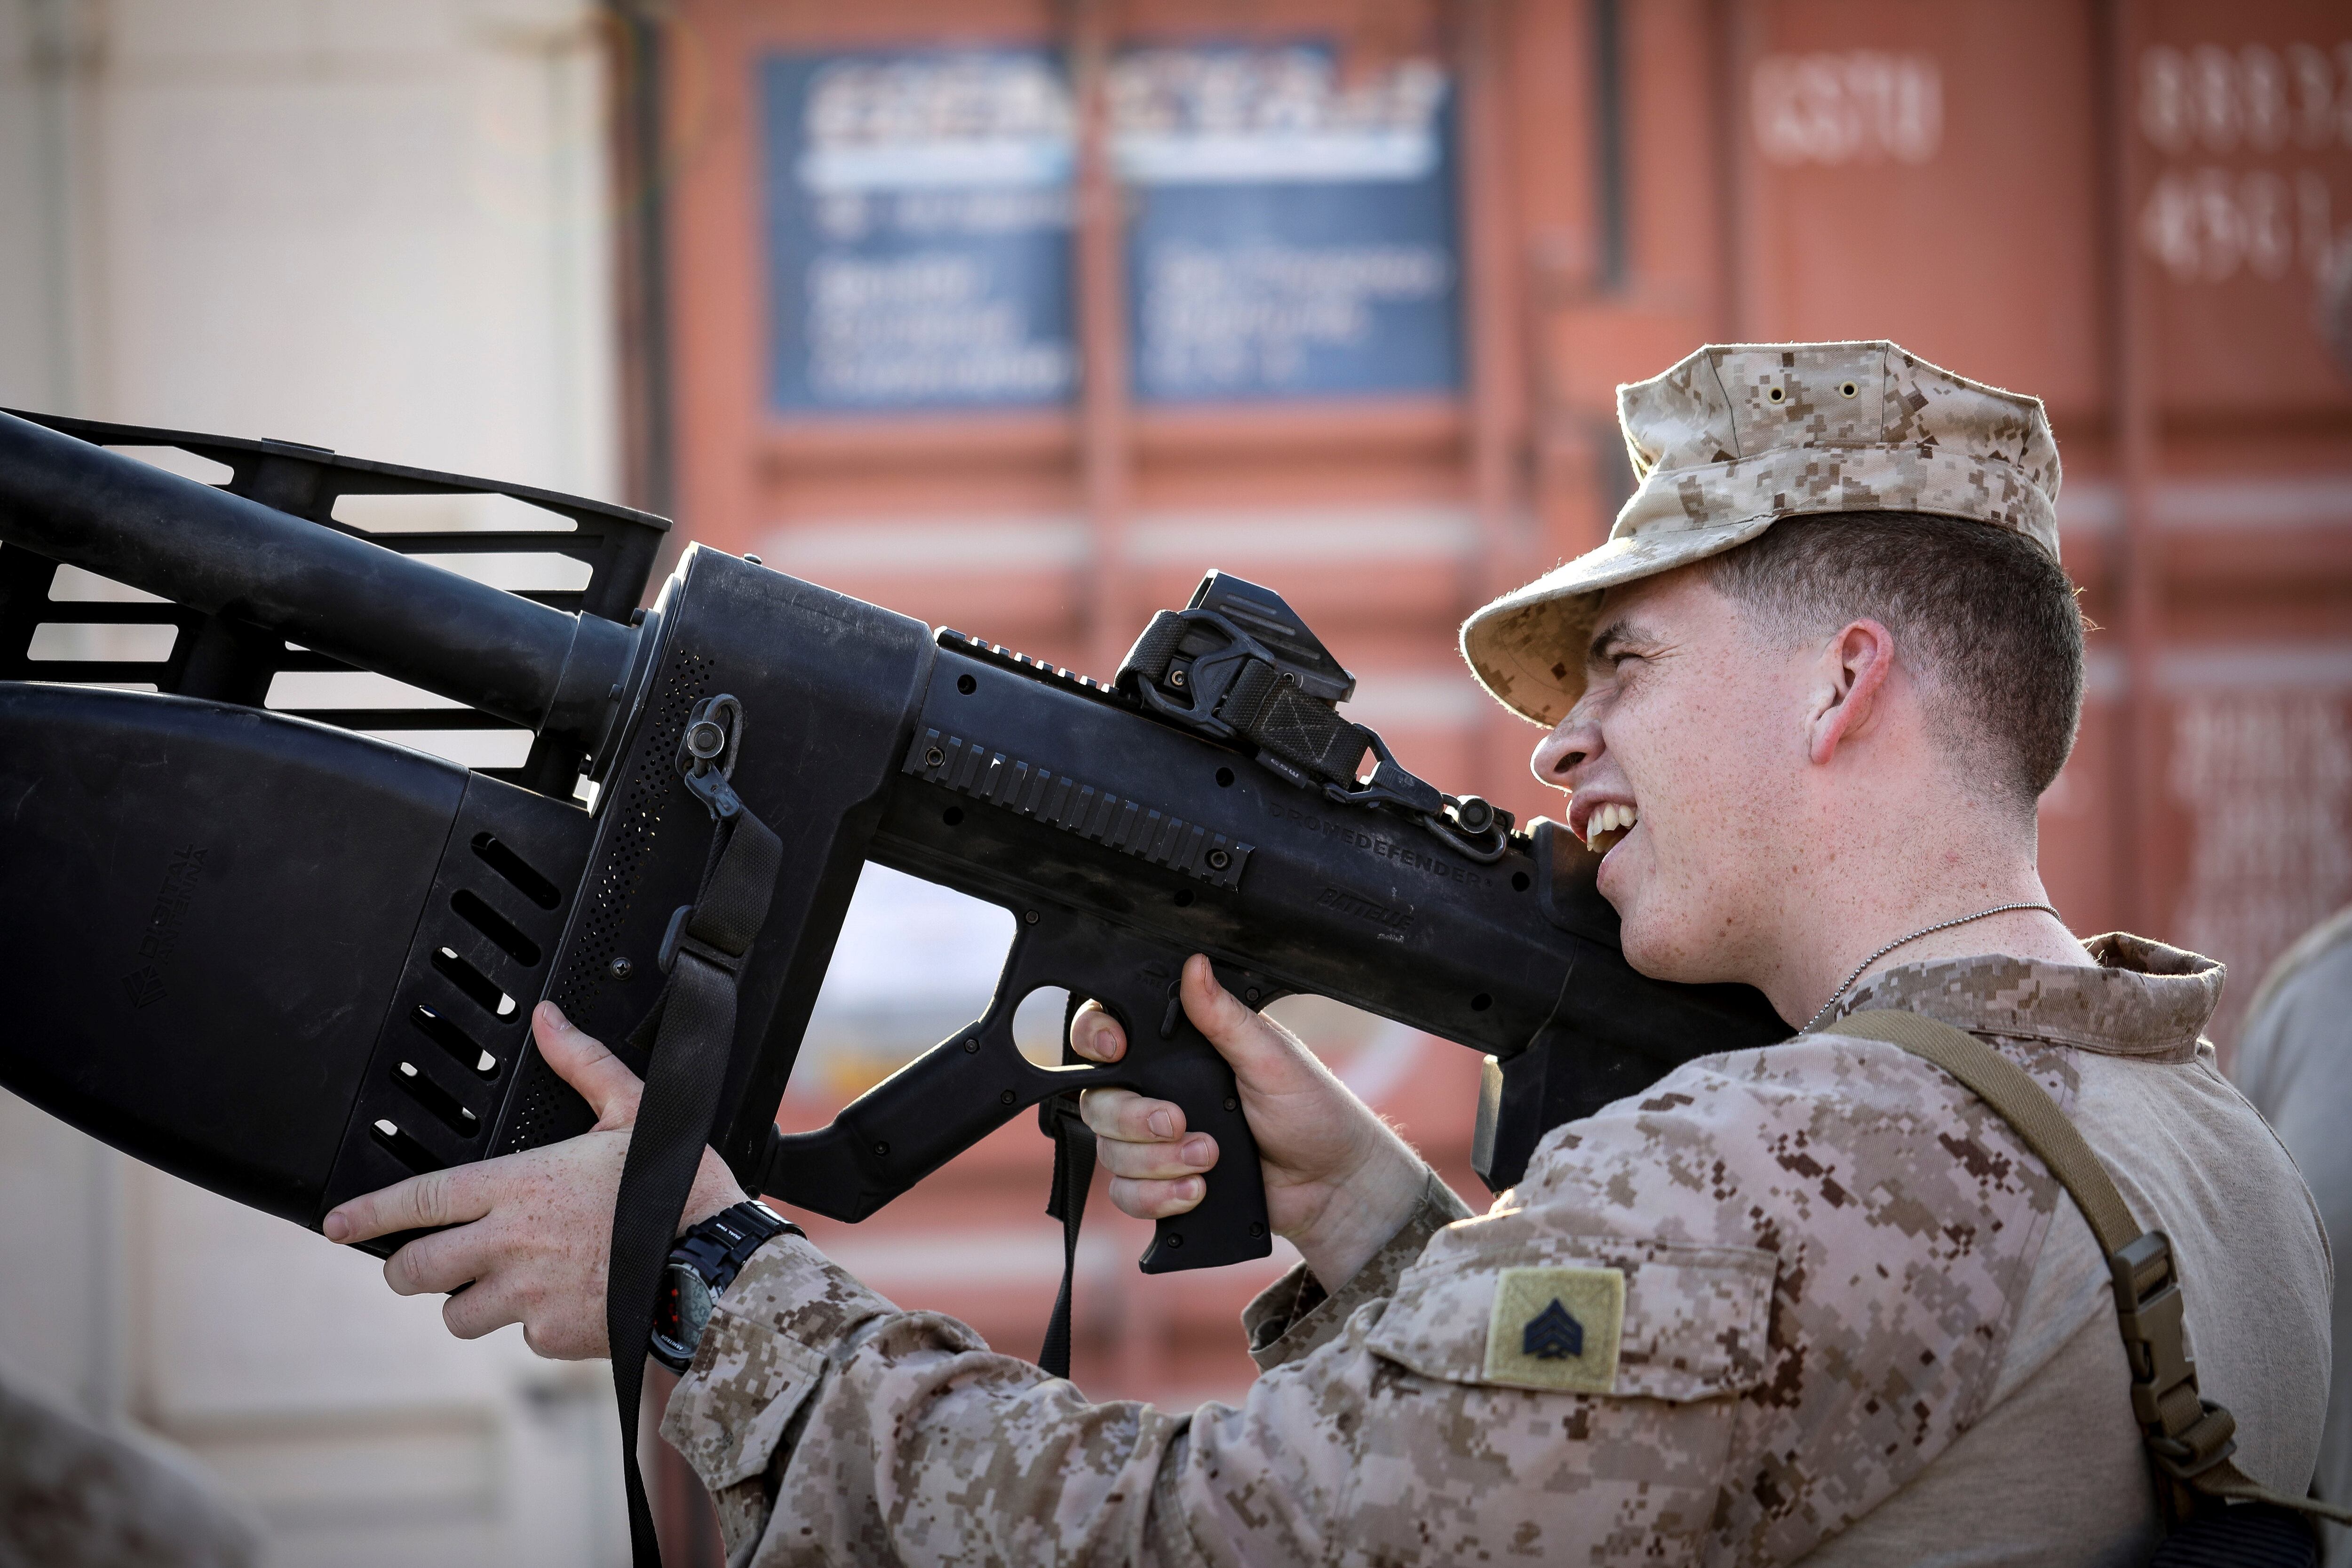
{"points": [[1266, 1058], [604, 1079]]}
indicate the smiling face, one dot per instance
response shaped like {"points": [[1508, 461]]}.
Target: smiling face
{"points": [[1687, 757]]}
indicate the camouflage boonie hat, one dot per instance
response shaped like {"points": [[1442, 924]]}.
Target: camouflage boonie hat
{"points": [[1740, 434]]}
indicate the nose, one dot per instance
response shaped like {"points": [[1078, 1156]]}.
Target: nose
{"points": [[1572, 743]]}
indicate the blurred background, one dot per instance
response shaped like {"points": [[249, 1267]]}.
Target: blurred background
{"points": [[1017, 316]]}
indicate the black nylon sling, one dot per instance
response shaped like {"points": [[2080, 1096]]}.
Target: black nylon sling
{"points": [[692, 1025], [1074, 1175]]}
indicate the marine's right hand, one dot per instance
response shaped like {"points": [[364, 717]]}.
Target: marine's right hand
{"points": [[1339, 1180]]}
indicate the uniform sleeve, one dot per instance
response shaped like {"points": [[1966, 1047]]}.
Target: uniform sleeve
{"points": [[1296, 1315], [832, 1428]]}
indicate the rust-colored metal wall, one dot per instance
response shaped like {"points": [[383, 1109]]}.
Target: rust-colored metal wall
{"points": [[2128, 209]]}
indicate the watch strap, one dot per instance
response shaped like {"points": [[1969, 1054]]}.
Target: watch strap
{"points": [[716, 1251], [719, 1247]]}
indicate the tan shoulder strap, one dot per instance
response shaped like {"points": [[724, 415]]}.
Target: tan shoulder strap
{"points": [[2189, 1438]]}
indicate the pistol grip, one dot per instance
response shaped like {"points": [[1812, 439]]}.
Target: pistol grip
{"points": [[1229, 1224], [922, 1116]]}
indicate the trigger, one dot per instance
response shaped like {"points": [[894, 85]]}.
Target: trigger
{"points": [[1175, 1010]]}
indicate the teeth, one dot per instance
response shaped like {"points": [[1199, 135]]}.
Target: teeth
{"points": [[1609, 819]]}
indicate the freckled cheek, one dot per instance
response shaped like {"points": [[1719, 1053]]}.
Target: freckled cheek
{"points": [[1674, 762]]}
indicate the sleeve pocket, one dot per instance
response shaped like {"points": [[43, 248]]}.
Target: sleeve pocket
{"points": [[1582, 1314], [729, 1412]]}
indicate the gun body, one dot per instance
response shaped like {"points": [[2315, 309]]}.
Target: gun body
{"points": [[331, 989], [1121, 845]]}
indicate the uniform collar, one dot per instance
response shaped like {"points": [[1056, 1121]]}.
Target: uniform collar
{"points": [[2144, 999]]}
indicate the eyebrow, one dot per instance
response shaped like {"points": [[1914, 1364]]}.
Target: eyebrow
{"points": [[1619, 630]]}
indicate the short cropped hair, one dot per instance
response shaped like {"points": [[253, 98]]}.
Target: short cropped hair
{"points": [[1990, 619]]}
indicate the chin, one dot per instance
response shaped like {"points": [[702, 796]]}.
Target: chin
{"points": [[1661, 946], [1658, 960]]}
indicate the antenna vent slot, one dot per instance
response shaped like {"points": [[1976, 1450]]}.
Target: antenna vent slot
{"points": [[461, 1047], [475, 913], [405, 1148], [478, 987], [444, 1105], [499, 856]]}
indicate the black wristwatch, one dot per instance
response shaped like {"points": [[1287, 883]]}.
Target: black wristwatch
{"points": [[705, 1262]]}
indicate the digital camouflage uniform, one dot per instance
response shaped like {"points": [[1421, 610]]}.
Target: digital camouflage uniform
{"points": [[1809, 1300], [1824, 1246]]}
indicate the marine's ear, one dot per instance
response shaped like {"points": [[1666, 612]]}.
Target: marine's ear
{"points": [[1847, 694]]}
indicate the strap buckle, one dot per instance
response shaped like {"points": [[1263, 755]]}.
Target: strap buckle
{"points": [[2149, 1311], [679, 939]]}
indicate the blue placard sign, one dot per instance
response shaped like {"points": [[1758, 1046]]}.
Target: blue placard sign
{"points": [[918, 230], [1294, 232]]}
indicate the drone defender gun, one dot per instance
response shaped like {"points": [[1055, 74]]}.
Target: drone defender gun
{"points": [[293, 963]]}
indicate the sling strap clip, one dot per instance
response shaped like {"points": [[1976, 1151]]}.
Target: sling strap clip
{"points": [[2188, 1435]]}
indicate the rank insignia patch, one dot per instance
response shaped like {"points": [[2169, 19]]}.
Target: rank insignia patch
{"points": [[1552, 1333], [1556, 1328]]}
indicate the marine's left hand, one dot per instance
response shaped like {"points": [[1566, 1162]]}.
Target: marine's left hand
{"points": [[531, 1230]]}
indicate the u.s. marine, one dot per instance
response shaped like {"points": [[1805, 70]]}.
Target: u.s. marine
{"points": [[1814, 1301]]}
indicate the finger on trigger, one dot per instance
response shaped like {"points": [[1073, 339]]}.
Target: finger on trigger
{"points": [[1096, 1035], [1125, 1115]]}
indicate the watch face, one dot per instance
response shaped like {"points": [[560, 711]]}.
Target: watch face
{"points": [[685, 1313]]}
